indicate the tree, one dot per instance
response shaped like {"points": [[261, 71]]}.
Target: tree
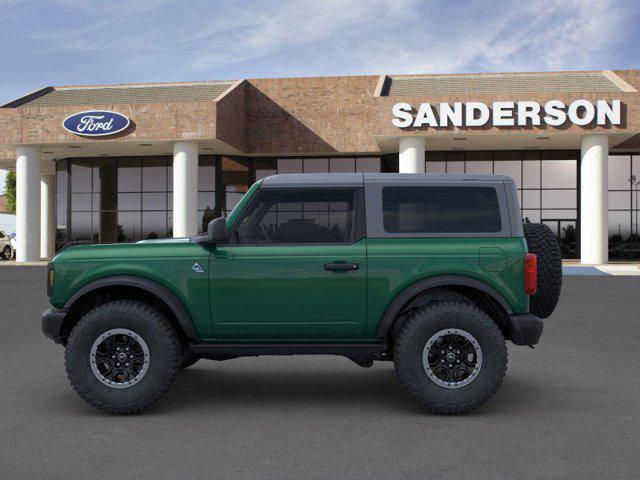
{"points": [[207, 216], [10, 191]]}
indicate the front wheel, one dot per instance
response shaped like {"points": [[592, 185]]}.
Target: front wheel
{"points": [[451, 357], [6, 253], [122, 356]]}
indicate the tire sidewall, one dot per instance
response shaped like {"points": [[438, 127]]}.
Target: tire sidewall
{"points": [[142, 320], [432, 320]]}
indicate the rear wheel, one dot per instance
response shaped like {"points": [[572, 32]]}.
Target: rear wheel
{"points": [[6, 253], [451, 357], [122, 356], [542, 242]]}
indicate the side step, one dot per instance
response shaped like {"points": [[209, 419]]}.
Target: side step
{"points": [[248, 349]]}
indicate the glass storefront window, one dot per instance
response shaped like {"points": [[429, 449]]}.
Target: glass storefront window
{"points": [[316, 165], [620, 200], [129, 174], [154, 175], [436, 167], [531, 199], [619, 172], [455, 167], [154, 201], [559, 198], [265, 167], [368, 165], [479, 168], [154, 224], [531, 174], [510, 168], [342, 165], [624, 207], [61, 203], [81, 175], [559, 173], [289, 165]]}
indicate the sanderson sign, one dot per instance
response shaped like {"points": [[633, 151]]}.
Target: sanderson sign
{"points": [[507, 114], [96, 123]]}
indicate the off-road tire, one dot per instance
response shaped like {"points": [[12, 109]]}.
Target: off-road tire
{"points": [[164, 356], [414, 335], [542, 242], [6, 253]]}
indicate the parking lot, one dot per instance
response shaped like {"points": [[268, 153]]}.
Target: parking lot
{"points": [[568, 409]]}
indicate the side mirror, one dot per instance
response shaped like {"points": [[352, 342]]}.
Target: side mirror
{"points": [[217, 231]]}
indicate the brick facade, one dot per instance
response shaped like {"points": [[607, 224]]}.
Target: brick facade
{"points": [[291, 116]]}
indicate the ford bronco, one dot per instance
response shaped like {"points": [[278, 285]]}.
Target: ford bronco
{"points": [[432, 272]]}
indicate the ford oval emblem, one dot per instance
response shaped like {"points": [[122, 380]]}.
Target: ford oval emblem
{"points": [[96, 123]]}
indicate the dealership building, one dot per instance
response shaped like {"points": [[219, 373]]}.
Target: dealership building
{"points": [[113, 163]]}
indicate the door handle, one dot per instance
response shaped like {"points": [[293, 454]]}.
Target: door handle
{"points": [[341, 266]]}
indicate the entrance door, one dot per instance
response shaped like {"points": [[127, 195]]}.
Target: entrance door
{"points": [[293, 270], [565, 229]]}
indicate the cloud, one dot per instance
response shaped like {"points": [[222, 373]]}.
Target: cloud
{"points": [[79, 41], [287, 25], [541, 35]]}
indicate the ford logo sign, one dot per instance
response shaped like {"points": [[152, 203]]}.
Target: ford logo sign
{"points": [[96, 123]]}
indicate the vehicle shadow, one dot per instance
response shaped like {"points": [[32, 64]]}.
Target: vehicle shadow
{"points": [[285, 387], [376, 389]]}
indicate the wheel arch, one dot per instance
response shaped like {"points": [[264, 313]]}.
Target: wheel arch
{"points": [[130, 287], [479, 293]]}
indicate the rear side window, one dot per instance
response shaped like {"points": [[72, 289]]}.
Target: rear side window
{"points": [[292, 216], [441, 210]]}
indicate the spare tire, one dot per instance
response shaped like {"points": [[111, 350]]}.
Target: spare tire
{"points": [[542, 242]]}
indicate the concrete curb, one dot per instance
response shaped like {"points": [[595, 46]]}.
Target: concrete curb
{"points": [[11, 263]]}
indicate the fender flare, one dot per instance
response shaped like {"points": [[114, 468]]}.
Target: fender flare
{"points": [[174, 303], [392, 310]]}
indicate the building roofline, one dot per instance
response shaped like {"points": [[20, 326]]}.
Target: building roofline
{"points": [[141, 85], [616, 79], [27, 98]]}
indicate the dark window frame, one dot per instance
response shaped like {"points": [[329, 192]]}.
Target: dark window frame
{"points": [[393, 189], [356, 220]]}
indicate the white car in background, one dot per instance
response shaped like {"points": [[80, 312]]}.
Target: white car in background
{"points": [[7, 248], [14, 243]]}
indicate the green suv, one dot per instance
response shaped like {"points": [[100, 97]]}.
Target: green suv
{"points": [[432, 272]]}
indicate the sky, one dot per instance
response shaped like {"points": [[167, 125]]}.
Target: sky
{"points": [[76, 42]]}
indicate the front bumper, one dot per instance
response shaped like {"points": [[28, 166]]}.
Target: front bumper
{"points": [[52, 320], [525, 329]]}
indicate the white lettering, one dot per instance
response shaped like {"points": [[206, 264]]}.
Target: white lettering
{"points": [[503, 114], [477, 114], [606, 111], [470, 113], [588, 115], [402, 112], [528, 111], [88, 124], [554, 113], [453, 115], [425, 116]]}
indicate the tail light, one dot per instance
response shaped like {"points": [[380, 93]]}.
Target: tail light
{"points": [[530, 273]]}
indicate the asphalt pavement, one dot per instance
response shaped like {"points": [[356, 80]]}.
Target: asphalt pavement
{"points": [[568, 409]]}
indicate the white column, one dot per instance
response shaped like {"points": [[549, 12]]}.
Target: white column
{"points": [[185, 189], [594, 200], [47, 215], [28, 203], [411, 154]]}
